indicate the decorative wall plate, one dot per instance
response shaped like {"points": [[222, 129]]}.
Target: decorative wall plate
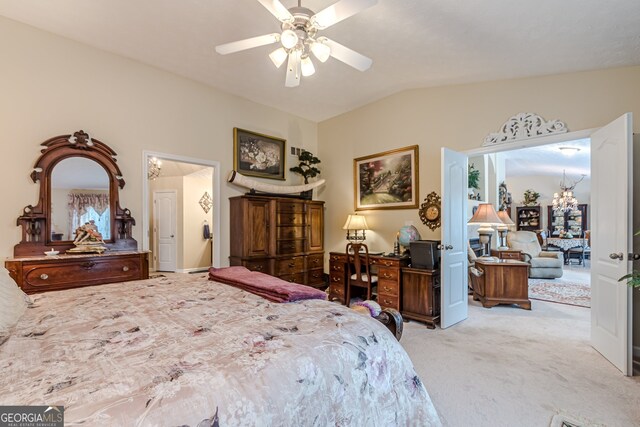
{"points": [[430, 211]]}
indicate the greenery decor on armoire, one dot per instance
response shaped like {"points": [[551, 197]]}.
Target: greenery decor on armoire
{"points": [[531, 198], [306, 166]]}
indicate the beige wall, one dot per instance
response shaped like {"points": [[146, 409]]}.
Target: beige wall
{"points": [[458, 117], [197, 250], [52, 86]]}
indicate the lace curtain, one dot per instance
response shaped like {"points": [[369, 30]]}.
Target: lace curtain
{"points": [[85, 207]]}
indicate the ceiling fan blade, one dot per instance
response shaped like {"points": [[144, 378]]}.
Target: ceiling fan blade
{"points": [[277, 9], [239, 45], [346, 55], [293, 69], [339, 11]]}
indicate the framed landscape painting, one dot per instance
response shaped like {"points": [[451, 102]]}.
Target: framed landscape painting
{"points": [[387, 180], [255, 154]]}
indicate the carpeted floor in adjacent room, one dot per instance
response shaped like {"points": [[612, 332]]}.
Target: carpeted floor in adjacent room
{"points": [[506, 366]]}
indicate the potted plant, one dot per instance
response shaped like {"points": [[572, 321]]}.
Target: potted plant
{"points": [[632, 279], [307, 169], [474, 179]]}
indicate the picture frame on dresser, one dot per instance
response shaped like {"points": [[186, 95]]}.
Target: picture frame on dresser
{"points": [[257, 154], [387, 180]]}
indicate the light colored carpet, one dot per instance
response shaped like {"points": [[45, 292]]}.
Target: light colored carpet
{"points": [[506, 366], [560, 290]]}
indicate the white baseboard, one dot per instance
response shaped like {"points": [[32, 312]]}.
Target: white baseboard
{"points": [[192, 270]]}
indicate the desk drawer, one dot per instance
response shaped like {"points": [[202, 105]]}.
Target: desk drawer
{"points": [[393, 263], [336, 292], [290, 266], [387, 287], [335, 278], [389, 301], [386, 273]]}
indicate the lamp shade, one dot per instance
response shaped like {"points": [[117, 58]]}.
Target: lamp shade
{"points": [[504, 216], [485, 214], [355, 222]]}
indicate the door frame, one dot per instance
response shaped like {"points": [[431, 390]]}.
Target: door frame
{"points": [[154, 227], [215, 185]]}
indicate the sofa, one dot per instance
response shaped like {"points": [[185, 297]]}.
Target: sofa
{"points": [[544, 264]]}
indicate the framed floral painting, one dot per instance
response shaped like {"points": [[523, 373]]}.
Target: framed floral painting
{"points": [[255, 154], [387, 180]]}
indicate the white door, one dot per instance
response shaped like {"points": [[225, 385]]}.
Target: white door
{"points": [[164, 203], [453, 273], [611, 201]]}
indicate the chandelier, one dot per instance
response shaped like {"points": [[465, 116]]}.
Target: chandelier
{"points": [[566, 201], [153, 168]]}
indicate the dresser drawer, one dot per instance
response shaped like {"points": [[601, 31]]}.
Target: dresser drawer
{"points": [[286, 206], [290, 266], [290, 246], [315, 261], [293, 278], [389, 301], [290, 219], [88, 272], [261, 266], [315, 277], [337, 258], [291, 232]]}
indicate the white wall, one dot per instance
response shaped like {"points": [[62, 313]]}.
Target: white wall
{"points": [[53, 86]]}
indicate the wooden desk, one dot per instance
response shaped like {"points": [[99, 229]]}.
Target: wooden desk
{"points": [[389, 278], [421, 295], [505, 281]]}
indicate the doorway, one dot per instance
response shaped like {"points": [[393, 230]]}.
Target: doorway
{"points": [[186, 239]]}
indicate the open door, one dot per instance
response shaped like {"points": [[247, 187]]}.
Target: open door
{"points": [[611, 240], [453, 273]]}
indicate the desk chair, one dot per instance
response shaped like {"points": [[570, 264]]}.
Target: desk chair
{"points": [[359, 271]]}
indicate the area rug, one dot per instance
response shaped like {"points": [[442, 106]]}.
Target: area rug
{"points": [[560, 291]]}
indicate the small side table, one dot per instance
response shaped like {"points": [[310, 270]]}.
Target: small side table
{"points": [[505, 281], [421, 295]]}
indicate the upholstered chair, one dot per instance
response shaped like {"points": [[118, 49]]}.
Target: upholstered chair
{"points": [[544, 264]]}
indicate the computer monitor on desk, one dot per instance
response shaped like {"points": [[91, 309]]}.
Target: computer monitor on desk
{"points": [[425, 254]]}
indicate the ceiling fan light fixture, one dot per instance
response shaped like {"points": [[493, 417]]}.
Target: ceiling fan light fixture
{"points": [[289, 39], [320, 51], [278, 57], [307, 67]]}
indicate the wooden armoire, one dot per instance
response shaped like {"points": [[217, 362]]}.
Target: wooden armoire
{"points": [[283, 237]]}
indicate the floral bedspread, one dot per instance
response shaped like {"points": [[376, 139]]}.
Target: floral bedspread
{"points": [[188, 351]]}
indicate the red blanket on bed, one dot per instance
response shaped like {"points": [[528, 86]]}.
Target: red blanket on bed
{"points": [[269, 287]]}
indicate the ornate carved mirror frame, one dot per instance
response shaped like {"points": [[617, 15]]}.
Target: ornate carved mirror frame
{"points": [[35, 220]]}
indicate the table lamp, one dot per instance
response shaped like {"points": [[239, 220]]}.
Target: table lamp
{"points": [[356, 223], [503, 229], [486, 216]]}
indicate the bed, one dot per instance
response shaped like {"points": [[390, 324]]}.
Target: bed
{"points": [[189, 351]]}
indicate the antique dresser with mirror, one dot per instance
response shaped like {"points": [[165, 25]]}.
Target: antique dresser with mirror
{"points": [[79, 183]]}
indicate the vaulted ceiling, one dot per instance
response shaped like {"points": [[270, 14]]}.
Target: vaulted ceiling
{"points": [[413, 43]]}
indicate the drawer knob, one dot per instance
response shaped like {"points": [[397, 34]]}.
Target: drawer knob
{"points": [[291, 264], [125, 268], [387, 276], [257, 268], [336, 279], [386, 288], [387, 301], [44, 276], [88, 265]]}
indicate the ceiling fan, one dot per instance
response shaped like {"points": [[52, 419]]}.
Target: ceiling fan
{"points": [[299, 38]]}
